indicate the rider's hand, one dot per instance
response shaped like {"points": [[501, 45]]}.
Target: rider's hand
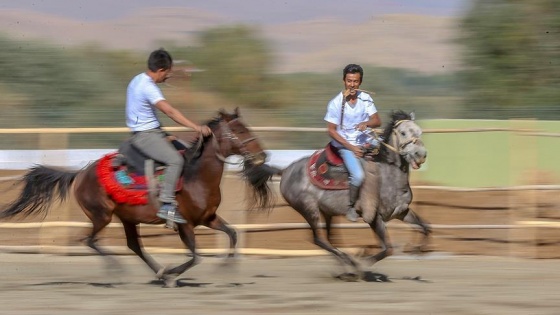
{"points": [[204, 130], [357, 151], [362, 126]]}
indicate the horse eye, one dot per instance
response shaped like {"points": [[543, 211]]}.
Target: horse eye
{"points": [[403, 133]]}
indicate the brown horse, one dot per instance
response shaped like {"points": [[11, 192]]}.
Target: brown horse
{"points": [[198, 198]]}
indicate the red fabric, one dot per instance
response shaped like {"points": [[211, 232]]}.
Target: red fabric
{"points": [[332, 155], [315, 173], [118, 193]]}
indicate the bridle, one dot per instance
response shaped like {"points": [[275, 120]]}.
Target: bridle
{"points": [[227, 134], [400, 144]]}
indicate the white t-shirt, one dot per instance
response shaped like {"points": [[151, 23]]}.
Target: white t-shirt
{"points": [[353, 115], [142, 95]]}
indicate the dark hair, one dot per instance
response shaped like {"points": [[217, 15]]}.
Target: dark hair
{"points": [[353, 68], [159, 59]]}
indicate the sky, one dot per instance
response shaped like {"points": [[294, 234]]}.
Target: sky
{"points": [[250, 11]]}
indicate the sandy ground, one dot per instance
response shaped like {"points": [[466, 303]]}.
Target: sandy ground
{"points": [[436, 284]]}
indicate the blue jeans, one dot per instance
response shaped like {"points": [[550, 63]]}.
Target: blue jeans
{"points": [[354, 166]]}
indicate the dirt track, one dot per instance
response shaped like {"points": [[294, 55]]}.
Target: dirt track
{"points": [[45, 284], [436, 284]]}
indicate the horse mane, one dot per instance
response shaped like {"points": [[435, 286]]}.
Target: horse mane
{"points": [[197, 146], [396, 116], [213, 124]]}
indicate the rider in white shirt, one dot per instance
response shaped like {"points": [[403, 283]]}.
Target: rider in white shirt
{"points": [[348, 115], [143, 97]]}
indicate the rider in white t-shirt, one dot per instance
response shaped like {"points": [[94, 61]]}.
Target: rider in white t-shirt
{"points": [[348, 114], [143, 98]]}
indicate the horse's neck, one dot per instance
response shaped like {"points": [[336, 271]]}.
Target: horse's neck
{"points": [[392, 175], [209, 166], [393, 157]]}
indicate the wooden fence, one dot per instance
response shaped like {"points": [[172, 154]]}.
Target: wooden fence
{"points": [[521, 221]]}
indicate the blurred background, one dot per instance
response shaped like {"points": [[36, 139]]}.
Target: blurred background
{"points": [[67, 64], [482, 76]]}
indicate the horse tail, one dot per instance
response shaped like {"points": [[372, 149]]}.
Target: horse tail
{"points": [[258, 176], [42, 185]]}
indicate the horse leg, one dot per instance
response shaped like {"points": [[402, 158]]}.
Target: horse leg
{"points": [[412, 218], [133, 242], [218, 223], [328, 226], [378, 227], [319, 240], [186, 232], [99, 223], [331, 235]]}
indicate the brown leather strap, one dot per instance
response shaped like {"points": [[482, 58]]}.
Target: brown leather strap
{"points": [[342, 111]]}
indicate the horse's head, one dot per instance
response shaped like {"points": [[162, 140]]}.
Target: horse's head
{"points": [[403, 136], [233, 137]]}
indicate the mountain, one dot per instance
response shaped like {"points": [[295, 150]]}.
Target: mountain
{"points": [[422, 43]]}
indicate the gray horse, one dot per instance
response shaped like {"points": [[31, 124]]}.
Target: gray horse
{"points": [[385, 194]]}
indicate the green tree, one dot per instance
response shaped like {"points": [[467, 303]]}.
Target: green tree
{"points": [[236, 63], [53, 84], [512, 56]]}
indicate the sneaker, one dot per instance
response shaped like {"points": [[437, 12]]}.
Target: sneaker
{"points": [[352, 215], [169, 212]]}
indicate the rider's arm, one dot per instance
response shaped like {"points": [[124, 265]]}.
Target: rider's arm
{"points": [[373, 122], [177, 117], [331, 128]]}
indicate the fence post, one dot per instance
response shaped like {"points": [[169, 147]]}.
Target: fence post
{"points": [[523, 207]]}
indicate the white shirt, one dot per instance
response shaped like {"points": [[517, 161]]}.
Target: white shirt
{"points": [[142, 95], [353, 115]]}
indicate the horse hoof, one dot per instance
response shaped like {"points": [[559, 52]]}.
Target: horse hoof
{"points": [[161, 274], [169, 283], [349, 277]]}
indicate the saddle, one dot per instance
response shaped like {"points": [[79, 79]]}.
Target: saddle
{"points": [[326, 169], [122, 174], [134, 159]]}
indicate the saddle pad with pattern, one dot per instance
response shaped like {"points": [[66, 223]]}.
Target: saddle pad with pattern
{"points": [[324, 175], [124, 186]]}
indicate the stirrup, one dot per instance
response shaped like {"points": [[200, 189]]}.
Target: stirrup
{"points": [[170, 215]]}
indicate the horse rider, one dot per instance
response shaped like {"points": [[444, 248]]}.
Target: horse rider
{"points": [[143, 97], [349, 114]]}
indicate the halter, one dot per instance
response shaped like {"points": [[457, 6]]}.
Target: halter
{"points": [[400, 146], [229, 135]]}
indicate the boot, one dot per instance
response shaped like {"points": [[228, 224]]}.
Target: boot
{"points": [[169, 212], [351, 214]]}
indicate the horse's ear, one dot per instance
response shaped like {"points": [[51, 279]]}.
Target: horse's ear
{"points": [[412, 115], [222, 113], [236, 112]]}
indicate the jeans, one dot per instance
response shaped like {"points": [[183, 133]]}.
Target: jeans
{"points": [[154, 144], [354, 166]]}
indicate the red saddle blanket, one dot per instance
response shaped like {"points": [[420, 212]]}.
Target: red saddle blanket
{"points": [[321, 174], [135, 192]]}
